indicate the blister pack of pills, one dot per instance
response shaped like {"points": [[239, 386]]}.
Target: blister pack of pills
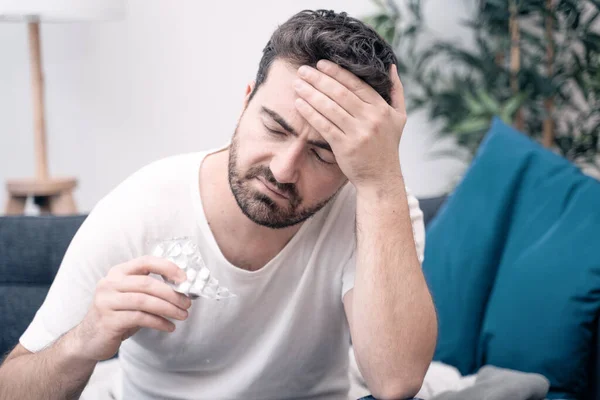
{"points": [[200, 282]]}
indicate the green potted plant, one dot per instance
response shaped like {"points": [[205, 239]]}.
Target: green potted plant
{"points": [[534, 63]]}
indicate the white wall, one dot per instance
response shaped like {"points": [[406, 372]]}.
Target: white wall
{"points": [[168, 79]]}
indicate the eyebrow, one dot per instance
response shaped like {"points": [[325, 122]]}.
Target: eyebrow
{"points": [[279, 119]]}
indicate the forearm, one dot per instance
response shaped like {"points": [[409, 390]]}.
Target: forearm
{"points": [[395, 330], [56, 372]]}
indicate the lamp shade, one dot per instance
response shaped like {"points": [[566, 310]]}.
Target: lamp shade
{"points": [[61, 10]]}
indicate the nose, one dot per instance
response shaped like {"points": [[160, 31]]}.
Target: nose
{"points": [[286, 162]]}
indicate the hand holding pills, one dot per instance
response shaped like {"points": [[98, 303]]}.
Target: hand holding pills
{"points": [[126, 300], [186, 255]]}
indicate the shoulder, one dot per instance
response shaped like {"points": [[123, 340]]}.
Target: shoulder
{"points": [[166, 171], [157, 178], [150, 193]]}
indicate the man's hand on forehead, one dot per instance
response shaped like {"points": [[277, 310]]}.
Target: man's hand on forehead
{"points": [[362, 128]]}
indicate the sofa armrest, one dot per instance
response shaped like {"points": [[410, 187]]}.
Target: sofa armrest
{"points": [[31, 251], [32, 247]]}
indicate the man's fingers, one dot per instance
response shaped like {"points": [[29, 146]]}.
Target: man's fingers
{"points": [[137, 319], [153, 287], [146, 303], [397, 94], [154, 265], [328, 130], [331, 88], [324, 105], [356, 85]]}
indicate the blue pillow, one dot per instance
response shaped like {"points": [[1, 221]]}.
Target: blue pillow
{"points": [[464, 243], [546, 297]]}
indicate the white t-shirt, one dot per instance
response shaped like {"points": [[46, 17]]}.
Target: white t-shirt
{"points": [[285, 335]]}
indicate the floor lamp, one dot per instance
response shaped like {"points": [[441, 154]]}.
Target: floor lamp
{"points": [[52, 195]]}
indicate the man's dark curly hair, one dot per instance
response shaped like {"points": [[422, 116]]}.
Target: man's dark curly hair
{"points": [[310, 36]]}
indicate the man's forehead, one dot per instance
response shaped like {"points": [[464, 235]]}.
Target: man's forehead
{"points": [[282, 69], [278, 87], [278, 100]]}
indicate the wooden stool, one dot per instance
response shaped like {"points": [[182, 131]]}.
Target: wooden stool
{"points": [[52, 196]]}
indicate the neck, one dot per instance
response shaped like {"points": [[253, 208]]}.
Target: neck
{"points": [[243, 242]]}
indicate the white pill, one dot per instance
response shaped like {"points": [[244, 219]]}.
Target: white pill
{"points": [[188, 248], [191, 274], [159, 251], [175, 250], [197, 262], [184, 287], [181, 262], [198, 286], [203, 274]]}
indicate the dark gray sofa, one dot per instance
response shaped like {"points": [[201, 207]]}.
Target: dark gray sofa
{"points": [[31, 249]]}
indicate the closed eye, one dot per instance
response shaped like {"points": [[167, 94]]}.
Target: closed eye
{"points": [[274, 132], [314, 151], [321, 159]]}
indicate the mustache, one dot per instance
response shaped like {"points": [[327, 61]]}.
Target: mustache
{"points": [[287, 188]]}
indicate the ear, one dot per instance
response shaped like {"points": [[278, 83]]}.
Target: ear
{"points": [[249, 90]]}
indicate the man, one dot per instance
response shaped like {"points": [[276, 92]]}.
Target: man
{"points": [[304, 216]]}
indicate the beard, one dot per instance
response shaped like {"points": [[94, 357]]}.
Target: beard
{"points": [[257, 206]]}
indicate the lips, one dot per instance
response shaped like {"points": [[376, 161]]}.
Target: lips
{"points": [[272, 187]]}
